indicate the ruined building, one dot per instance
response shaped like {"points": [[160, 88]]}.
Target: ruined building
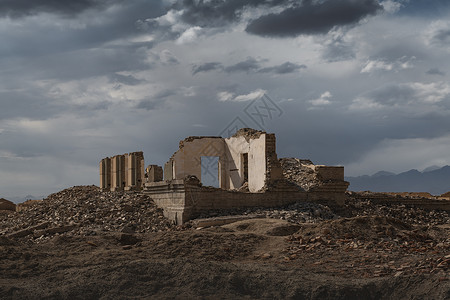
{"points": [[245, 170]]}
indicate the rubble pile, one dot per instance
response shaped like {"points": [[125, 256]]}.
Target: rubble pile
{"points": [[383, 237], [409, 214], [85, 210], [300, 212], [300, 171]]}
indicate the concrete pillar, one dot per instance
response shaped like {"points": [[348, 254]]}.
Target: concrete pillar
{"points": [[131, 170], [102, 174], [168, 170], [105, 174], [118, 173], [140, 170]]}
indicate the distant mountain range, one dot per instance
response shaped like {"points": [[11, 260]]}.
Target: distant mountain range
{"points": [[434, 180]]}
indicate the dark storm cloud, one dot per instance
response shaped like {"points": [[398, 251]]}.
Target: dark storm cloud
{"points": [[21, 8], [219, 12], [435, 71], [285, 68], [250, 64], [35, 38], [206, 67], [313, 17]]}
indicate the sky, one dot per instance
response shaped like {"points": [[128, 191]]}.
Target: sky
{"points": [[359, 83]]}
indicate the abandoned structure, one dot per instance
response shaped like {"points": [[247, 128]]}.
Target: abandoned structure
{"points": [[244, 169], [122, 172]]}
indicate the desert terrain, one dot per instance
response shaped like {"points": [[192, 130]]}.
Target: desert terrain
{"points": [[81, 243]]}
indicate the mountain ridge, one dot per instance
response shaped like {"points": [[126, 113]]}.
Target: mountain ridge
{"points": [[431, 180]]}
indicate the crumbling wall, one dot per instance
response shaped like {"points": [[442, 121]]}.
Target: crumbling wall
{"points": [[187, 160], [253, 149], [249, 157], [153, 173], [183, 200]]}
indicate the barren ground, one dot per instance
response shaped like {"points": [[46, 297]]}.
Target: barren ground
{"points": [[361, 256]]}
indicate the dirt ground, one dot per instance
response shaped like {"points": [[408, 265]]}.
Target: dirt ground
{"points": [[81, 243], [369, 257]]}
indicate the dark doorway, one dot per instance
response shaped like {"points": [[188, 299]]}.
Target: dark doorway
{"points": [[245, 166]]}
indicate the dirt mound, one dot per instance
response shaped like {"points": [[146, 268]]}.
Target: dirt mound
{"points": [[361, 228], [7, 205], [85, 210], [271, 227]]}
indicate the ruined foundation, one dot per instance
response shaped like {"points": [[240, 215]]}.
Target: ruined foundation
{"points": [[248, 172]]}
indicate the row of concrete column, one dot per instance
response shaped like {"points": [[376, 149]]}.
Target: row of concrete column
{"points": [[122, 172]]}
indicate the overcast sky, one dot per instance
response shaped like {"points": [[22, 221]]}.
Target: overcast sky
{"points": [[359, 83]]}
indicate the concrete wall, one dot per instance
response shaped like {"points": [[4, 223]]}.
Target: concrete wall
{"points": [[183, 202], [170, 196]]}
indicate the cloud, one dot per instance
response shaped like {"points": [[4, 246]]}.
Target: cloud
{"points": [[284, 68], [313, 17], [206, 67], [218, 13], [438, 33], [21, 8], [228, 96], [125, 79], [400, 155], [337, 47], [156, 101], [250, 64], [435, 71], [381, 65], [225, 96], [324, 99], [189, 36], [391, 6], [411, 97], [168, 58]]}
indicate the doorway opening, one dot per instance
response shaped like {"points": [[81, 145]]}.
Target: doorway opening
{"points": [[210, 171]]}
